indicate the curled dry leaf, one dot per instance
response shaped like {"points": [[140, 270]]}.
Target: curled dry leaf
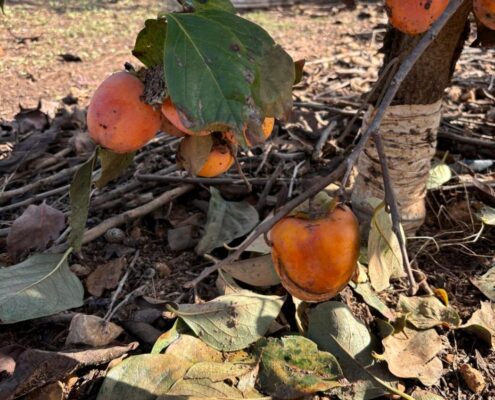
{"points": [[474, 379], [428, 312], [292, 367], [413, 354], [482, 323], [486, 283], [34, 229], [105, 276], [92, 330]]}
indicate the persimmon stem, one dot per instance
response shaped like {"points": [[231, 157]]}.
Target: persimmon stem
{"points": [[345, 168]]}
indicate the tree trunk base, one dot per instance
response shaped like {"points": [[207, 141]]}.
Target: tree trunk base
{"points": [[409, 134]]}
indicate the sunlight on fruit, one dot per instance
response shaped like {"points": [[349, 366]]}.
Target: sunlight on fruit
{"points": [[218, 162], [117, 118], [414, 17], [170, 112], [316, 258]]}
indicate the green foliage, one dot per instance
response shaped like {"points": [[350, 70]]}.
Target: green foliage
{"points": [[150, 42], [112, 165], [223, 71]]}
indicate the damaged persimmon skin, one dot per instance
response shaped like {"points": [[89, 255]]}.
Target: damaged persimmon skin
{"points": [[316, 258], [414, 17], [117, 118], [485, 12], [172, 114]]}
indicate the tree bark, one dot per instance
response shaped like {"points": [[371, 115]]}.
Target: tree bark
{"points": [[409, 129]]}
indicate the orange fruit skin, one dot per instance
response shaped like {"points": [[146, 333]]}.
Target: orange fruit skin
{"points": [[218, 162], [414, 17], [117, 117], [267, 127], [485, 12], [315, 259], [170, 112]]}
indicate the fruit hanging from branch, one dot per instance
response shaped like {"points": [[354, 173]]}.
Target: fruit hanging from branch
{"points": [[316, 255], [414, 17], [118, 119]]}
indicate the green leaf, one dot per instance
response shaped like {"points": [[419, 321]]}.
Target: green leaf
{"points": [[227, 220], [384, 255], [224, 71], [80, 190], [39, 286], [231, 322], [428, 312], [335, 330], [201, 5], [487, 215], [292, 367], [143, 377], [112, 165], [486, 283], [150, 42], [482, 323], [439, 175]]}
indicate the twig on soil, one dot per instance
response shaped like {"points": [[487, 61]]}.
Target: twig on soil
{"points": [[349, 163], [317, 154]]}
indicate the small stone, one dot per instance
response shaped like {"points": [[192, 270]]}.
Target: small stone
{"points": [[80, 270], [473, 378], [114, 235], [162, 269], [149, 273]]}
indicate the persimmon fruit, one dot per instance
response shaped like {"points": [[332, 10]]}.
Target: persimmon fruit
{"points": [[414, 17], [170, 112], [316, 257], [219, 161], [485, 12], [118, 119], [267, 127]]}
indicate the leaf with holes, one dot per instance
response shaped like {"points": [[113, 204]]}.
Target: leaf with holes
{"points": [[384, 255], [231, 322], [150, 42], [227, 220], [34, 229], [39, 286]]}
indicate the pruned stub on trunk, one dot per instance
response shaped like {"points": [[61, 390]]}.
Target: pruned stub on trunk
{"points": [[409, 129]]}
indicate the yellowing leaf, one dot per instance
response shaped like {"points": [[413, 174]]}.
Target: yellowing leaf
{"points": [[487, 215], [486, 283], [428, 312], [439, 175]]}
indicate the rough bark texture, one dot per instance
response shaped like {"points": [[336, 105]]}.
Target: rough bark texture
{"points": [[410, 127]]}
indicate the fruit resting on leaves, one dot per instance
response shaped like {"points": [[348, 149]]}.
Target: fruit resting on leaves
{"points": [[117, 118], [316, 257], [414, 17], [485, 12]]}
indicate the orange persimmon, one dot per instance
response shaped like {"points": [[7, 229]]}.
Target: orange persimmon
{"points": [[316, 257], [172, 114], [218, 162], [485, 12], [117, 118], [414, 17], [267, 127]]}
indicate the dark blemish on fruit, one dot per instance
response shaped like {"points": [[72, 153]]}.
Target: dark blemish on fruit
{"points": [[428, 4], [104, 126]]}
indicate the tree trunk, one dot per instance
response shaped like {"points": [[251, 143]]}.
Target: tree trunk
{"points": [[409, 129]]}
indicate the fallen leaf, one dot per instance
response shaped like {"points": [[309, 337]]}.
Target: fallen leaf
{"points": [[301, 314], [420, 394], [384, 255], [35, 368], [256, 271], [92, 330], [259, 245], [39, 286], [292, 367], [371, 298], [34, 229], [203, 388], [335, 330], [487, 215], [112, 166], [439, 174], [231, 322], [217, 372], [168, 337], [486, 283], [227, 220], [52, 391], [428, 312], [482, 323], [80, 193], [226, 284], [413, 354], [193, 350], [474, 379], [143, 377], [105, 276]]}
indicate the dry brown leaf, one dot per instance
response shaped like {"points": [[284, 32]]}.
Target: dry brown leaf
{"points": [[474, 379], [34, 229], [482, 323], [52, 391], [412, 354], [92, 330], [105, 276]]}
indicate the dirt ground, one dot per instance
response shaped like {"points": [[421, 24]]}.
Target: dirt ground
{"points": [[53, 49]]}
